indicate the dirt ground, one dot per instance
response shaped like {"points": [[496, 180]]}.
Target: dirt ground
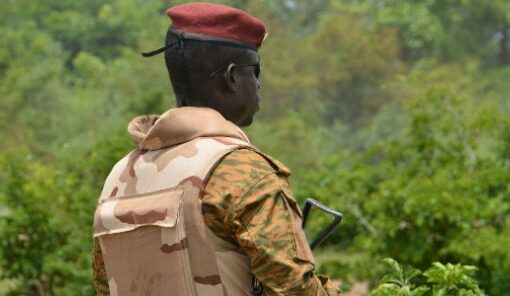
{"points": [[358, 289]]}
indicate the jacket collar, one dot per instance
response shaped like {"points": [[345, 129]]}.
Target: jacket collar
{"points": [[179, 125]]}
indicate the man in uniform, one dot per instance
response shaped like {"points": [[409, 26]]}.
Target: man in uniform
{"points": [[149, 239]]}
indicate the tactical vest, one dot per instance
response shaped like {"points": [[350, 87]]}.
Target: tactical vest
{"points": [[151, 230]]}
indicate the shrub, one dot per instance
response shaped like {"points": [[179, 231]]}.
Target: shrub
{"points": [[449, 279]]}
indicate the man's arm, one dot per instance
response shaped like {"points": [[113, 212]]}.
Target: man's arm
{"points": [[250, 203], [280, 258], [99, 278]]}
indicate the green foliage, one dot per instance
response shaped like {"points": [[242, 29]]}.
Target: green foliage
{"points": [[452, 279], [450, 30], [449, 279], [438, 192], [392, 112], [398, 282], [40, 248], [46, 229]]}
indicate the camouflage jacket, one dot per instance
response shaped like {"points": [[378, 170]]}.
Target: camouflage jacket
{"points": [[248, 202]]}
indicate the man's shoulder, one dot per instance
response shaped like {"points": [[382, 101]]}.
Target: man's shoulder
{"points": [[250, 162], [238, 172]]}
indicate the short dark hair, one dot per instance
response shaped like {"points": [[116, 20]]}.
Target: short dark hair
{"points": [[193, 68]]}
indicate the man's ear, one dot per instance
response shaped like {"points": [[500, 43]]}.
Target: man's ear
{"points": [[230, 78]]}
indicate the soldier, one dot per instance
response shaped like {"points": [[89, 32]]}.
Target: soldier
{"points": [[195, 209]]}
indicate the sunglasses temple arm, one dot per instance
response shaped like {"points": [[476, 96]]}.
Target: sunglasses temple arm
{"points": [[218, 71]]}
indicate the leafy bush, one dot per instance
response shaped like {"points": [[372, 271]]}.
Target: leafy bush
{"points": [[436, 191], [45, 235], [449, 279]]}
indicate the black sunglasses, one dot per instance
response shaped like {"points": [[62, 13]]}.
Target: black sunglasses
{"points": [[256, 68]]}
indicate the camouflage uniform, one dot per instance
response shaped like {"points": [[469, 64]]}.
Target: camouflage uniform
{"points": [[247, 202]]}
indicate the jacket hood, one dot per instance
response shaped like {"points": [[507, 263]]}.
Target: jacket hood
{"points": [[179, 125]]}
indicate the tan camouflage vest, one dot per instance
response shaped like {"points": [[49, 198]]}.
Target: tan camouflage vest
{"points": [[149, 221]]}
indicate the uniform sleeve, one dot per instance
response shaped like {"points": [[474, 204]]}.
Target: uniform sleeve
{"points": [[99, 278], [260, 215]]}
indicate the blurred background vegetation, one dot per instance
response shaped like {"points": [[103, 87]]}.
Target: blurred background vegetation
{"points": [[393, 112]]}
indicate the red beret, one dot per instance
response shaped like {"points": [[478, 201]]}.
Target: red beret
{"points": [[216, 20]]}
